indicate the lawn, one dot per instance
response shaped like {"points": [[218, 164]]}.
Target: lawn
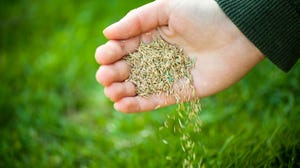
{"points": [[53, 112]]}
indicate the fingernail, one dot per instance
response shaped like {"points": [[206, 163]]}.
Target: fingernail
{"points": [[116, 106]]}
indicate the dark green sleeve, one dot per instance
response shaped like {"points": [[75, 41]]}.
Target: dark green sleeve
{"points": [[273, 26]]}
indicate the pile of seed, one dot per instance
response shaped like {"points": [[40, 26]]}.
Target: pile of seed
{"points": [[155, 68]]}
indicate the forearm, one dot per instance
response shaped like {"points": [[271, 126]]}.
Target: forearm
{"points": [[272, 26]]}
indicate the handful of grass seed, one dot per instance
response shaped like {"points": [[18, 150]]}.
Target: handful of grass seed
{"points": [[155, 68]]}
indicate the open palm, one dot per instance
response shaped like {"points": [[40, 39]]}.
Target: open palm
{"points": [[223, 54]]}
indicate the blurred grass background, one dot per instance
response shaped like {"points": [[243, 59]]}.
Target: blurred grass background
{"points": [[54, 114]]}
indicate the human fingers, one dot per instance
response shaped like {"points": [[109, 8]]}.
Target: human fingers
{"points": [[141, 104], [138, 21], [183, 92], [117, 72], [114, 50], [118, 90]]}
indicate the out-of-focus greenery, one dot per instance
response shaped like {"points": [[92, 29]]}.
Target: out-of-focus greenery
{"points": [[54, 114]]}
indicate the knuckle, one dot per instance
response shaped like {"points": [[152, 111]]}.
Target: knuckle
{"points": [[130, 89], [131, 12], [110, 94]]}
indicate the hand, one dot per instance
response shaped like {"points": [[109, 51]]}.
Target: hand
{"points": [[223, 54]]}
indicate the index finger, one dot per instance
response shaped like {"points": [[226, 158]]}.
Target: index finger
{"points": [[114, 50], [138, 21]]}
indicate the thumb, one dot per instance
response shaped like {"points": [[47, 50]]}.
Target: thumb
{"points": [[138, 21]]}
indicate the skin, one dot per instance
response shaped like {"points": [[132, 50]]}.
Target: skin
{"points": [[223, 54]]}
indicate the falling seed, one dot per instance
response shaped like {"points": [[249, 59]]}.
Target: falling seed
{"points": [[180, 123], [154, 69], [166, 124], [182, 147]]}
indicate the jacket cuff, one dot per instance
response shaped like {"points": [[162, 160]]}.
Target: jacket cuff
{"points": [[273, 26]]}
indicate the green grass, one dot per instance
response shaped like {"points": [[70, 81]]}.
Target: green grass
{"points": [[54, 114]]}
